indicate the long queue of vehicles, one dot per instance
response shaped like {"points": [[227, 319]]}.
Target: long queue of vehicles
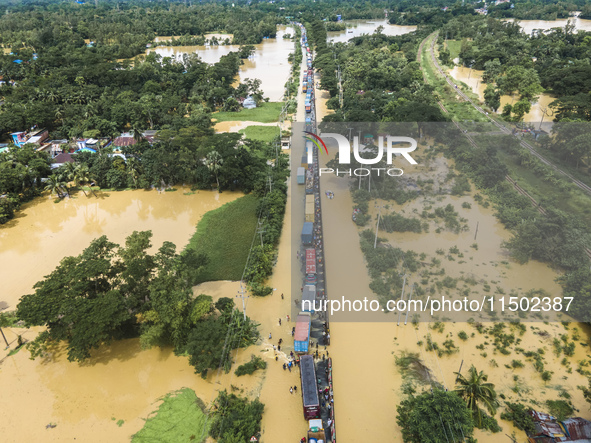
{"points": [[307, 175]]}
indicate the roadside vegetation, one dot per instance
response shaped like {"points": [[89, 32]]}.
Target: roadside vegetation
{"points": [[226, 254]]}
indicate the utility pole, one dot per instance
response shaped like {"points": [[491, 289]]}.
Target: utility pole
{"points": [[260, 231], [4, 337], [409, 299], [401, 298], [242, 296], [375, 242]]}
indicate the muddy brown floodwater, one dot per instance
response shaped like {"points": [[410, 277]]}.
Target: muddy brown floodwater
{"points": [[120, 381], [528, 26], [44, 232], [359, 27], [367, 382], [473, 78], [540, 111], [269, 62]]}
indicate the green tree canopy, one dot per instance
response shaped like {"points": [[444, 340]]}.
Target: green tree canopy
{"points": [[434, 417]]}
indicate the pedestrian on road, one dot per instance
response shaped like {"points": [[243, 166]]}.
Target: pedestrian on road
{"points": [[270, 336], [289, 366], [280, 340], [290, 390], [295, 389], [281, 296], [279, 348], [284, 366], [287, 316], [279, 322]]}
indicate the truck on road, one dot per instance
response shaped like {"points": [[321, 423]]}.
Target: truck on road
{"points": [[316, 433], [301, 338], [309, 389]]}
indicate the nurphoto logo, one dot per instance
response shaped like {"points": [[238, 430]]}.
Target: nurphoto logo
{"points": [[393, 146]]}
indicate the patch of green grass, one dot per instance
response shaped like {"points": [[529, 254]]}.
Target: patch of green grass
{"points": [[265, 113], [180, 417], [262, 133], [14, 351], [454, 47], [224, 235]]}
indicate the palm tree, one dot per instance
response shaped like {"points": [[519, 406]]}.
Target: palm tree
{"points": [[54, 186], [80, 177], [133, 169], [475, 390], [214, 162]]}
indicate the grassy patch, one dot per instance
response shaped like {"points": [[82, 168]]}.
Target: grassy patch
{"points": [[180, 417], [225, 235], [248, 368], [266, 113], [262, 133], [459, 110], [454, 47]]}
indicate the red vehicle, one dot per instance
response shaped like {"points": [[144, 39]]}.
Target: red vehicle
{"points": [[309, 387], [311, 261]]}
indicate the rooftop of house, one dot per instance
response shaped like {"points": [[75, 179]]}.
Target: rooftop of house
{"points": [[63, 158]]}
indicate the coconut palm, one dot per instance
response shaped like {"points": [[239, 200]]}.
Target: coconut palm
{"points": [[214, 162], [476, 391], [133, 170], [54, 186], [80, 177]]}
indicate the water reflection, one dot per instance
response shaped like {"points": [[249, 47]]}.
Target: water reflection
{"points": [[269, 62], [360, 27]]}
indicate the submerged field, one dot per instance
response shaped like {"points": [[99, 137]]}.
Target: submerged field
{"points": [[539, 363]]}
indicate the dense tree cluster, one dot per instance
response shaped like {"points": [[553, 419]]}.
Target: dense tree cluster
{"points": [[515, 63], [235, 419], [381, 80], [122, 29], [21, 171], [434, 417], [110, 292], [80, 93]]}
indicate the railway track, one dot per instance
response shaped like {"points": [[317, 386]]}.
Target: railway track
{"points": [[581, 185], [513, 183]]}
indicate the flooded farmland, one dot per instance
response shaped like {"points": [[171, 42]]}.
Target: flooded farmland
{"points": [[269, 62], [44, 232], [356, 28], [528, 26], [539, 112], [368, 385]]}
